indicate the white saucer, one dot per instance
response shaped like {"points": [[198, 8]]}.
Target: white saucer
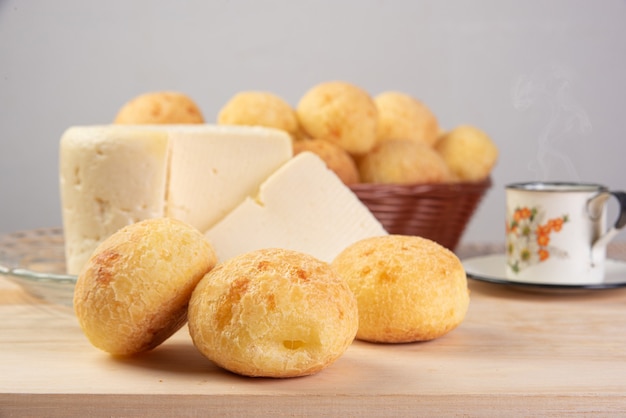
{"points": [[492, 269]]}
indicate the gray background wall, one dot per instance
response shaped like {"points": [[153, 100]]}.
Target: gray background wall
{"points": [[544, 78]]}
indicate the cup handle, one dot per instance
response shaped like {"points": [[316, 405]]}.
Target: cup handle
{"points": [[594, 205]]}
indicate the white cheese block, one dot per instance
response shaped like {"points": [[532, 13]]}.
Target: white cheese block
{"points": [[303, 206], [115, 175], [108, 178]]}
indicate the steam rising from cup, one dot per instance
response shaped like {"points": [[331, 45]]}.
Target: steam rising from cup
{"points": [[552, 89]]}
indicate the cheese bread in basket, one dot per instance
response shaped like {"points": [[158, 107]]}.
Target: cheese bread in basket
{"points": [[414, 177]]}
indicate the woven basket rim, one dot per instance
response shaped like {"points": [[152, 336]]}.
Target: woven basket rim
{"points": [[453, 187], [438, 211]]}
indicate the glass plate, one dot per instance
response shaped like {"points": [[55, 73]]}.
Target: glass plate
{"points": [[35, 260]]}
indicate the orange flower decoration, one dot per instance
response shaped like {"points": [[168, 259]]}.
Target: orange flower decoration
{"points": [[525, 227], [543, 240], [521, 214]]}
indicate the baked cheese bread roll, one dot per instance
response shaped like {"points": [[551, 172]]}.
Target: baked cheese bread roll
{"points": [[133, 292], [407, 288], [403, 161], [273, 313], [259, 108], [335, 157], [159, 108], [339, 112], [469, 152], [400, 116]]}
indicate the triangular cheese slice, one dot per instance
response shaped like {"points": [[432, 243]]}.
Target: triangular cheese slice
{"points": [[303, 206]]}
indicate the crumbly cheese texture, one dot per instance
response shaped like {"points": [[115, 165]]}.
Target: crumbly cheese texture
{"points": [[304, 207], [112, 176]]}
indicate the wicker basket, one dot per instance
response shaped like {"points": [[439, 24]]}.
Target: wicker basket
{"points": [[439, 212]]}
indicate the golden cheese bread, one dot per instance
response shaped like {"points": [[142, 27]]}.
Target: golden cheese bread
{"points": [[401, 116], [335, 157], [159, 108], [339, 112], [469, 152], [402, 161], [133, 292], [273, 313], [259, 108], [407, 288]]}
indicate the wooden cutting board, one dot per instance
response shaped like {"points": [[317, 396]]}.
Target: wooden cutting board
{"points": [[519, 352]]}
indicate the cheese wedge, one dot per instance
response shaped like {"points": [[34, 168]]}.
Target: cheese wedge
{"points": [[303, 206], [115, 175], [213, 169]]}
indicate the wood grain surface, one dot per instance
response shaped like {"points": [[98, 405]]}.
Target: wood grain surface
{"points": [[517, 353]]}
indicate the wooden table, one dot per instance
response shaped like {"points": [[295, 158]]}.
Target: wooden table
{"points": [[516, 354]]}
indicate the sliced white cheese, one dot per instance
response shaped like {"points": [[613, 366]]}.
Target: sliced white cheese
{"points": [[212, 171], [115, 175], [303, 206]]}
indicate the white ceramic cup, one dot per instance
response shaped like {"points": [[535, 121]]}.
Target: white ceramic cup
{"points": [[556, 232]]}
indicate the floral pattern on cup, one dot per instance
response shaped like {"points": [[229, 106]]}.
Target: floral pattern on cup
{"points": [[528, 237]]}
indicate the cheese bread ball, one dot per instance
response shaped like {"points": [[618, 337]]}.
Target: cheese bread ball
{"points": [[340, 112], [403, 161], [160, 108], [401, 116], [407, 288], [257, 108], [273, 313], [134, 290], [469, 152], [336, 158]]}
